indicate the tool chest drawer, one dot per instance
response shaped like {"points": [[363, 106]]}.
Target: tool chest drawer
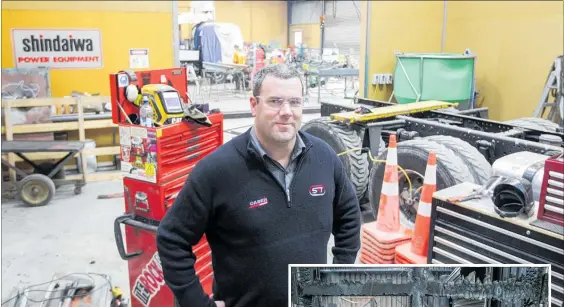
{"points": [[159, 155], [462, 233], [150, 200]]}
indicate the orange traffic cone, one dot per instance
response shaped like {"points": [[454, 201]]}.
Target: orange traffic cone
{"points": [[415, 252], [380, 238]]}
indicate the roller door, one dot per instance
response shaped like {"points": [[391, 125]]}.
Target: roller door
{"points": [[342, 26]]}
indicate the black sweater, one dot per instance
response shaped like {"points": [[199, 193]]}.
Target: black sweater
{"points": [[253, 229]]}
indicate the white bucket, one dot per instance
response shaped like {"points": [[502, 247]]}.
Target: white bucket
{"points": [[91, 160]]}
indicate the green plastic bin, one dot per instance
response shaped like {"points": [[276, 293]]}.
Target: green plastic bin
{"points": [[434, 76]]}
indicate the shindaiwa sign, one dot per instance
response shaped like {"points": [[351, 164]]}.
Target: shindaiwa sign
{"points": [[57, 48]]}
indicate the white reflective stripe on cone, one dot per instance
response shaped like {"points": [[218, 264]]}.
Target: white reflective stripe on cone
{"points": [[392, 158], [431, 174], [424, 209], [390, 188]]}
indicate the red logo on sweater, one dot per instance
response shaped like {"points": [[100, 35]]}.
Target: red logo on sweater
{"points": [[258, 203], [317, 190]]}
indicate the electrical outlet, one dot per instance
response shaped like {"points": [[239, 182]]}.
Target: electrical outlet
{"points": [[379, 79]]}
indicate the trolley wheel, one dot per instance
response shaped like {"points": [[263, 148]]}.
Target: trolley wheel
{"points": [[36, 190], [77, 190]]}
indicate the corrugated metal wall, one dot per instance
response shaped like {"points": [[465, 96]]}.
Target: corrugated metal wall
{"points": [[342, 26]]}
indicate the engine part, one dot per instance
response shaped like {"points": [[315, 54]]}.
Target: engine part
{"points": [[484, 191], [512, 197], [550, 139], [526, 165]]}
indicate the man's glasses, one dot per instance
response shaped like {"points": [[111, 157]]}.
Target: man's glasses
{"points": [[278, 102]]}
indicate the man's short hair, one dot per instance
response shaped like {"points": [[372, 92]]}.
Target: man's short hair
{"points": [[281, 71]]}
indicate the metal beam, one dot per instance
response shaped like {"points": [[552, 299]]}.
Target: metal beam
{"points": [[175, 35], [368, 288], [367, 48]]}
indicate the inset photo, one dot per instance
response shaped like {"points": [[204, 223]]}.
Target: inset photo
{"points": [[422, 286]]}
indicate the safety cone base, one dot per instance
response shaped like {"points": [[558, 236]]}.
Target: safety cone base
{"points": [[369, 249], [381, 245], [385, 237], [373, 259], [388, 249], [404, 251], [400, 259]]}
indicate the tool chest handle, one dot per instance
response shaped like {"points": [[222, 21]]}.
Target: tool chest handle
{"points": [[127, 219]]}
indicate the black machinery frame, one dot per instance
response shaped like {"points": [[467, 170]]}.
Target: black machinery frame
{"points": [[494, 139]]}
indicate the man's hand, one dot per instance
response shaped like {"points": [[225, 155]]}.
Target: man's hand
{"points": [[219, 303]]}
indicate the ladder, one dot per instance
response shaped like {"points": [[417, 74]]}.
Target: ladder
{"points": [[555, 86]]}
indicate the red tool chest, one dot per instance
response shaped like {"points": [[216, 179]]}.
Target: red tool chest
{"points": [[551, 202], [146, 280], [159, 155], [155, 163]]}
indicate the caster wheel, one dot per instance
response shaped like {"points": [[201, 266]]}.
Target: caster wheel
{"points": [[36, 190], [77, 190]]}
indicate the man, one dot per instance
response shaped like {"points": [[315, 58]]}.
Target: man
{"points": [[266, 199]]}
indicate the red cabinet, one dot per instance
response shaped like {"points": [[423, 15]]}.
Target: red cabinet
{"points": [[155, 165]]}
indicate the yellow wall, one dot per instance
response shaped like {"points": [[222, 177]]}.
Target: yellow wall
{"points": [[406, 26], [260, 21], [148, 24], [151, 28], [515, 43], [311, 34]]}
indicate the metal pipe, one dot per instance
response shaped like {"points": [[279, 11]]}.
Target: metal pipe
{"points": [[387, 123], [322, 25], [74, 117], [367, 47], [443, 38], [175, 35], [464, 112], [288, 21], [370, 270]]}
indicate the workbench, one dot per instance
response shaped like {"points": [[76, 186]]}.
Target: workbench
{"points": [[330, 72]]}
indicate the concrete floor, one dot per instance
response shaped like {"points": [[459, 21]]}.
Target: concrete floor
{"points": [[71, 234]]}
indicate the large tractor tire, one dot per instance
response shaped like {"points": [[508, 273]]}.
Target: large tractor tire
{"points": [[412, 157], [534, 123], [480, 168], [342, 139]]}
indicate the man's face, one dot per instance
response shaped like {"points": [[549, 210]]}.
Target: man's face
{"points": [[278, 109]]}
